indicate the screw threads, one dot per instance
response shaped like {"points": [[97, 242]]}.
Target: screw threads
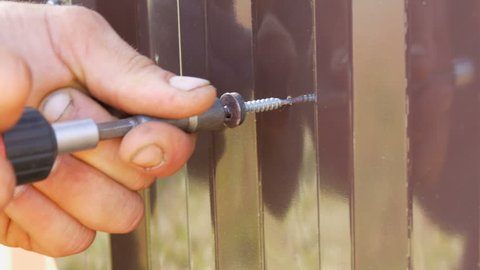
{"points": [[264, 105], [270, 104], [303, 98], [59, 2]]}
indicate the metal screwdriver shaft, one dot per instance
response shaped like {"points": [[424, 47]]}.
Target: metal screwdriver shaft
{"points": [[33, 144], [229, 111]]}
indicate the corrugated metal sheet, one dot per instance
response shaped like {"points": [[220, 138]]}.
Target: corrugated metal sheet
{"points": [[382, 173]]}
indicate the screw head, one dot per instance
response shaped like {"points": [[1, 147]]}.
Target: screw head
{"points": [[235, 110]]}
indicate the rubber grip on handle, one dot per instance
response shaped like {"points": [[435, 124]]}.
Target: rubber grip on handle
{"points": [[31, 147]]}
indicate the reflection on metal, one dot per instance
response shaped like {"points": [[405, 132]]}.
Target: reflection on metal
{"points": [[236, 188], [444, 133], [284, 66], [464, 72], [237, 200], [168, 222], [130, 251], [380, 225], [334, 138], [343, 183], [168, 241], [98, 256], [249, 198]]}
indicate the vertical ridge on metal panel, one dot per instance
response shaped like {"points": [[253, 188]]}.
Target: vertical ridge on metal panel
{"points": [[334, 132], [236, 187], [129, 251], [168, 216], [380, 162], [284, 50], [192, 17]]}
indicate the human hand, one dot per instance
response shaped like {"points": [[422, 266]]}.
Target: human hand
{"points": [[47, 48]]}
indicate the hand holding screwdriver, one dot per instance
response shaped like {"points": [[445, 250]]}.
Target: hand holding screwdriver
{"points": [[93, 190], [33, 144]]}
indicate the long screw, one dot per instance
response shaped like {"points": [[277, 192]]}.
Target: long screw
{"points": [[270, 104]]}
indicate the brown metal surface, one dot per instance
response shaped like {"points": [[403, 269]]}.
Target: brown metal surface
{"points": [[236, 188], [98, 256], [284, 66], [380, 225], [334, 131], [201, 237], [168, 243], [181, 230], [382, 173], [250, 200], [444, 132]]}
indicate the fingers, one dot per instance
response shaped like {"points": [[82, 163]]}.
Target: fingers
{"points": [[7, 181], [157, 148], [137, 163], [34, 222], [91, 197], [14, 88], [115, 73], [71, 104]]}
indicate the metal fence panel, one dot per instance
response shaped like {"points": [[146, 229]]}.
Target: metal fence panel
{"points": [[381, 173]]}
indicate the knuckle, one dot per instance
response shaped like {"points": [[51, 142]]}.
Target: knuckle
{"points": [[83, 17], [16, 83], [137, 64], [19, 68]]}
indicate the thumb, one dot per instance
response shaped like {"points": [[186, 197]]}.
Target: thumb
{"points": [[117, 74], [15, 84]]}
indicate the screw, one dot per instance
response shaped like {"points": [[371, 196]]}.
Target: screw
{"points": [[266, 104], [270, 104], [59, 2], [236, 108]]}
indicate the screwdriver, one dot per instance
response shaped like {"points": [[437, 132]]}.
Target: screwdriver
{"points": [[33, 144]]}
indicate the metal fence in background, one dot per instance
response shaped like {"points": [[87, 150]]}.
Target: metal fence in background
{"points": [[381, 173]]}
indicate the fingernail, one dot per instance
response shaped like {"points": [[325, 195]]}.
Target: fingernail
{"points": [[187, 83], [150, 156], [19, 190], [55, 106]]}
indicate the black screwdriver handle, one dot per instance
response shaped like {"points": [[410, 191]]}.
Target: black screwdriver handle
{"points": [[31, 147]]}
